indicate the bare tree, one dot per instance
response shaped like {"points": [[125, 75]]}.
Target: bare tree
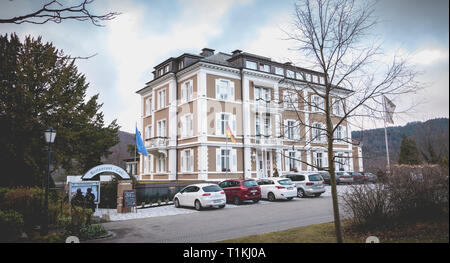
{"points": [[352, 80], [55, 11]]}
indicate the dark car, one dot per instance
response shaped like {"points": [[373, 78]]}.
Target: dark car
{"points": [[326, 176], [358, 178], [238, 190], [370, 177]]}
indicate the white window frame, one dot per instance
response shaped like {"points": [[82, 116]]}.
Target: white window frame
{"points": [[232, 159], [148, 106], [263, 92], [225, 93], [187, 125], [162, 159], [317, 103], [220, 124], [187, 160], [162, 99], [288, 97], [181, 64], [160, 127], [148, 132], [187, 91], [316, 130], [338, 107], [299, 75], [340, 134]]}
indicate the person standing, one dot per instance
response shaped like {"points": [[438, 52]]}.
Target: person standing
{"points": [[89, 203]]}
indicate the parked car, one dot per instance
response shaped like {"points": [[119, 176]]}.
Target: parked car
{"points": [[238, 190], [326, 177], [307, 184], [358, 178], [344, 178], [277, 188], [370, 177], [200, 196]]}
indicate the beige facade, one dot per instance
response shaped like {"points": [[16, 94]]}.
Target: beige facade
{"points": [[205, 98]]}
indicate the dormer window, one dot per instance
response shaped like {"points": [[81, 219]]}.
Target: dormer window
{"points": [[265, 68], [250, 65], [290, 74], [166, 69], [299, 75], [279, 71], [181, 64]]}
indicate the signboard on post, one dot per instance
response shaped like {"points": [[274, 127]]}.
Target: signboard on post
{"points": [[83, 186]]}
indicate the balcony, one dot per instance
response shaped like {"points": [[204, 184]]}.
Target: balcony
{"points": [[265, 141], [157, 145]]}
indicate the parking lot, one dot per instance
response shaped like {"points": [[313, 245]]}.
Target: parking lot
{"points": [[189, 225]]}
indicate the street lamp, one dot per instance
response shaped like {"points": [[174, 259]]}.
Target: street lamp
{"points": [[50, 135]]}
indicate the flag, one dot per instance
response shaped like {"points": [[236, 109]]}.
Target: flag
{"points": [[140, 144], [230, 134], [389, 108]]}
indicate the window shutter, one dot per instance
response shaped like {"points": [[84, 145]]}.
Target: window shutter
{"points": [[298, 164], [325, 159], [218, 166], [233, 124], [314, 158], [231, 83], [218, 124], [285, 129], [191, 125], [191, 168], [182, 126], [147, 107], [234, 158], [183, 161], [286, 161], [183, 92], [191, 89], [297, 130], [217, 88]]}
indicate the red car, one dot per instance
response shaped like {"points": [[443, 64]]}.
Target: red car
{"points": [[238, 190]]}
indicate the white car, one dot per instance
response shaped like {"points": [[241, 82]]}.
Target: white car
{"points": [[277, 188], [200, 196]]}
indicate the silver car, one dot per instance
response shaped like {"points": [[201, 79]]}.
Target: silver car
{"points": [[344, 178], [308, 184]]}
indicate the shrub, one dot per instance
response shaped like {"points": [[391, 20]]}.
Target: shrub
{"points": [[410, 195], [85, 232], [108, 196], [26, 201], [11, 225]]}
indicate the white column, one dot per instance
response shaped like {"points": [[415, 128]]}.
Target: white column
{"points": [[173, 130], [308, 160], [246, 126], [202, 162]]}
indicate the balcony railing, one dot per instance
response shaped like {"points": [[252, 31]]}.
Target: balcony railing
{"points": [[156, 142]]}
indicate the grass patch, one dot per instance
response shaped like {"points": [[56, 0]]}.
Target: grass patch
{"points": [[320, 233], [437, 232]]}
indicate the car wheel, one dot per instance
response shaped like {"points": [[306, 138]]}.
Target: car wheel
{"points": [[221, 206], [317, 195], [255, 201], [177, 203], [290, 198], [300, 193], [236, 200], [198, 205], [271, 197]]}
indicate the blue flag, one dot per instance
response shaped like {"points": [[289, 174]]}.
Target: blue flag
{"points": [[140, 144]]}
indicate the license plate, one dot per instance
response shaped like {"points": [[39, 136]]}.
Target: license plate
{"points": [[217, 201], [253, 191], [290, 188]]}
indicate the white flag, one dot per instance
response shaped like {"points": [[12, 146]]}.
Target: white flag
{"points": [[389, 108]]}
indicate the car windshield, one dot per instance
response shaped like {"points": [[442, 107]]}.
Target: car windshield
{"points": [[249, 183], [356, 174], [325, 175], [285, 182], [211, 188], [315, 177]]}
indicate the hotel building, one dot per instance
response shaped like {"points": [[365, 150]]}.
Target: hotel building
{"points": [[192, 98]]}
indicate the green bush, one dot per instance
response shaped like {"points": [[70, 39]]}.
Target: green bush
{"points": [[26, 201], [86, 232], [11, 225]]}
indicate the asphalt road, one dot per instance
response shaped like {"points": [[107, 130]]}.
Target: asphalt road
{"points": [[221, 224]]}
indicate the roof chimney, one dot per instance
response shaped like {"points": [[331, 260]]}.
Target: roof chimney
{"points": [[236, 52], [206, 52]]}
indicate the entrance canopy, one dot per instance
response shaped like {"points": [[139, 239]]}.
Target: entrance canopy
{"points": [[105, 168]]}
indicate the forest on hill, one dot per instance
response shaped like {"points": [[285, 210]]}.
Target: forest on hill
{"points": [[430, 136]]}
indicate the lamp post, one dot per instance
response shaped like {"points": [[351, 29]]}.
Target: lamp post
{"points": [[50, 135]]}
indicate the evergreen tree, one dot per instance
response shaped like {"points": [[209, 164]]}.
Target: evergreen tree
{"points": [[41, 87], [408, 152]]}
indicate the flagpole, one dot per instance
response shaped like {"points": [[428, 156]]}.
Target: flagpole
{"points": [[135, 146], [386, 139], [228, 163]]}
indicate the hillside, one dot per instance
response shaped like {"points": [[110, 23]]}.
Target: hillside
{"points": [[432, 132], [119, 151]]}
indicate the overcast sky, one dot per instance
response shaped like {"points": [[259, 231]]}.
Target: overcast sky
{"points": [[149, 32]]}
